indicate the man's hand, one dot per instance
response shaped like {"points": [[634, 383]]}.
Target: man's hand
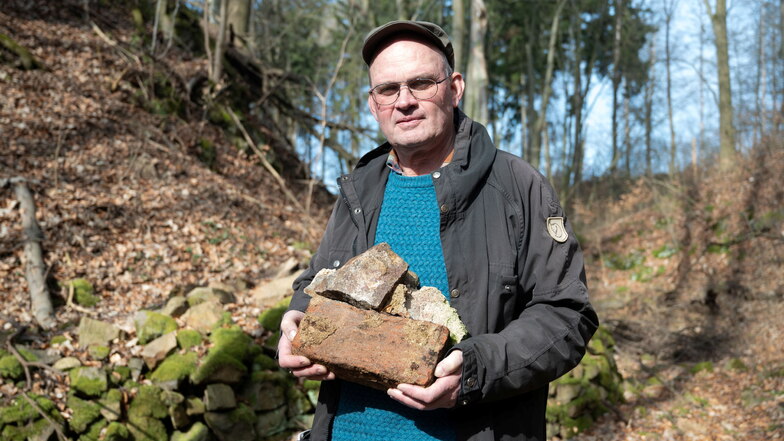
{"points": [[296, 364], [441, 394]]}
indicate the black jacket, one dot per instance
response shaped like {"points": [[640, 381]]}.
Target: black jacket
{"points": [[521, 293]]}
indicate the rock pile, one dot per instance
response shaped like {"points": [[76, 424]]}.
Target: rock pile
{"points": [[193, 375]]}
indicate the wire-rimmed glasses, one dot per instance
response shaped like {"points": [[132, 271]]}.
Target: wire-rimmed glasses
{"points": [[386, 94]]}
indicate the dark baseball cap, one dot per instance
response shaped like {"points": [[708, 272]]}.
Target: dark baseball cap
{"points": [[430, 31]]}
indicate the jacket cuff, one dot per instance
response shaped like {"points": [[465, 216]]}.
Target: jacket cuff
{"points": [[299, 302], [470, 387]]}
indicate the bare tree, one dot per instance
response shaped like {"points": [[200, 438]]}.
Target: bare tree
{"points": [[669, 11], [726, 125], [458, 32], [476, 91]]}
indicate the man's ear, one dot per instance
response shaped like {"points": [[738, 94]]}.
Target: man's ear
{"points": [[457, 84], [372, 106]]}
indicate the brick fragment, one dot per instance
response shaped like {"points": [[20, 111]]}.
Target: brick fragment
{"points": [[370, 348]]}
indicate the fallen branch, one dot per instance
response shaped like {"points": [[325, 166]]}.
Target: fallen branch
{"points": [[129, 55], [35, 270], [57, 427]]}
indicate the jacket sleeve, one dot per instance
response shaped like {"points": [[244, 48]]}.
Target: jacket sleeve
{"points": [[548, 336]]}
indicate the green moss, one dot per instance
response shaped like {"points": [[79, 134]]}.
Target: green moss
{"points": [[175, 367], [270, 318], [212, 362], [197, 431], [94, 432], [112, 402], [263, 362], [10, 368], [84, 292], [58, 339], [242, 414], [120, 374], [90, 381], [232, 341], [153, 325], [20, 410], [148, 403], [702, 366], [98, 352], [26, 354], [144, 428], [83, 413], [116, 432], [188, 338]]}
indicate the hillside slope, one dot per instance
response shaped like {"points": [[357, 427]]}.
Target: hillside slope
{"points": [[135, 202]]}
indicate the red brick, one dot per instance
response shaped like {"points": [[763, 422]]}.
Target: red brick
{"points": [[368, 347]]}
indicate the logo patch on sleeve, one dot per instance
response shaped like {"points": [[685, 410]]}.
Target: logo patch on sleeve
{"points": [[556, 229]]}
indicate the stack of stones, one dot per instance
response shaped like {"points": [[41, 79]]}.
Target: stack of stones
{"points": [[370, 323], [578, 398], [200, 379]]}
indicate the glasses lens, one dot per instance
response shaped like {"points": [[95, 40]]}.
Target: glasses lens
{"points": [[421, 88], [385, 94]]}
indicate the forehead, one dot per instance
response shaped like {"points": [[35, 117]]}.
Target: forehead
{"points": [[405, 58]]}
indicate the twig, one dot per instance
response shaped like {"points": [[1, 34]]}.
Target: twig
{"points": [[10, 345], [57, 427], [69, 304]]}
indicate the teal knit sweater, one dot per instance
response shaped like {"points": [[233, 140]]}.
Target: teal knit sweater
{"points": [[410, 223]]}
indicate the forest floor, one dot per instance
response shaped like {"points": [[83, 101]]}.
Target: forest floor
{"points": [[685, 272]]}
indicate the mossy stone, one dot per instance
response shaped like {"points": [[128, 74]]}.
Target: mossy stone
{"points": [[58, 339], [94, 432], [88, 380], [151, 325], [225, 359], [10, 367], [20, 410], [188, 338], [98, 352], [702, 366], [195, 406], [111, 405], [84, 292], [197, 432], [175, 367], [263, 362], [144, 428], [26, 354], [269, 319], [30, 431], [736, 364], [120, 374], [83, 413], [148, 403], [116, 432]]}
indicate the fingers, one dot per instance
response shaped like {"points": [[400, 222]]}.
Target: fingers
{"points": [[451, 364], [298, 365], [441, 394]]}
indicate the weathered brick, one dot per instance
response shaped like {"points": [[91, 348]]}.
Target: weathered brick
{"points": [[364, 281], [368, 347]]}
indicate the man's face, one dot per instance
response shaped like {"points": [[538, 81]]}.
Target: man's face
{"points": [[410, 123]]}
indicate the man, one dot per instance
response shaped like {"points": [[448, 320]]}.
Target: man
{"points": [[480, 224]]}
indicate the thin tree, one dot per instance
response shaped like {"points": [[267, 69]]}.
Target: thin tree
{"points": [[669, 11], [458, 33], [616, 79], [476, 90], [726, 126]]}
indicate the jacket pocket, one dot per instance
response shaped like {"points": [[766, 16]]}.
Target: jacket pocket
{"points": [[503, 299]]}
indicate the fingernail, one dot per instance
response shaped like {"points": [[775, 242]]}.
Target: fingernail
{"points": [[292, 334]]}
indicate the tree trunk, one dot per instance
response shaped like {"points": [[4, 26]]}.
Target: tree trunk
{"points": [[35, 270], [541, 120], [458, 33], [669, 11], [220, 43], [627, 129], [476, 90], [239, 13], [726, 126], [649, 90], [575, 26], [616, 81]]}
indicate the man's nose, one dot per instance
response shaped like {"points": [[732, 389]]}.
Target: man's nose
{"points": [[405, 98]]}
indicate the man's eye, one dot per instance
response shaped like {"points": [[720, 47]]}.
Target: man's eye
{"points": [[420, 85], [387, 89]]}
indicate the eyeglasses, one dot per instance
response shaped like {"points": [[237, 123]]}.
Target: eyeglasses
{"points": [[421, 88]]}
